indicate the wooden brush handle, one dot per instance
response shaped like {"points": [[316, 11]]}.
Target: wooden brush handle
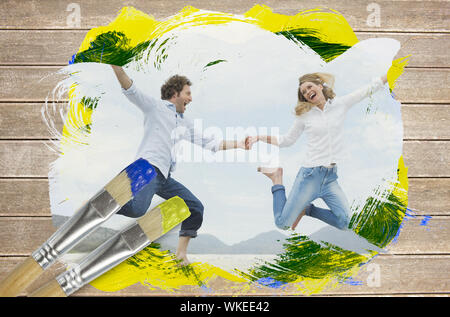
{"points": [[20, 278], [51, 289]]}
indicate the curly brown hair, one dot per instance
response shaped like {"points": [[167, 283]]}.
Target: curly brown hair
{"points": [[174, 85]]}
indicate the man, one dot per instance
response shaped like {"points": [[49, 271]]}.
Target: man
{"points": [[163, 119]]}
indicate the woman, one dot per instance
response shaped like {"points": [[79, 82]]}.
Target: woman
{"points": [[320, 115]]}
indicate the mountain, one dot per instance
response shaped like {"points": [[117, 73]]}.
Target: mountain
{"points": [[92, 241], [264, 243]]}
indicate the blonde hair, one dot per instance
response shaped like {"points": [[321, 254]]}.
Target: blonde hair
{"points": [[324, 79]]}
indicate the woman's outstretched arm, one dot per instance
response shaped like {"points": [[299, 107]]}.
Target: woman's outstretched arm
{"points": [[285, 140], [358, 95]]}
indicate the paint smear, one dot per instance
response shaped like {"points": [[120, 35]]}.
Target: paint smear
{"points": [[304, 266]]}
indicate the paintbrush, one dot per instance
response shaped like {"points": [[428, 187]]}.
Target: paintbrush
{"points": [[97, 210], [117, 249]]}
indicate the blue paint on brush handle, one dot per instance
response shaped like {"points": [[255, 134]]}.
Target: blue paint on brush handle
{"points": [[140, 173]]}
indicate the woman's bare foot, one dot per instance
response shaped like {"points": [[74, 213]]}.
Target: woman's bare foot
{"points": [[300, 216], [274, 173]]}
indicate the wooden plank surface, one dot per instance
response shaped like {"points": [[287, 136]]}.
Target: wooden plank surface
{"points": [[32, 158], [30, 197], [24, 197], [13, 117], [19, 47], [394, 278], [31, 84], [19, 236], [36, 40], [420, 122], [397, 15]]}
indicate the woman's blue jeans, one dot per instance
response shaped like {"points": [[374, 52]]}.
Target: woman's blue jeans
{"points": [[310, 184]]}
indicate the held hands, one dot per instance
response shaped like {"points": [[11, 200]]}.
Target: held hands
{"points": [[249, 141]]}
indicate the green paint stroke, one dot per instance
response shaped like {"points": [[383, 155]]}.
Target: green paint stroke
{"points": [[90, 102], [379, 221], [309, 259], [113, 48], [110, 48], [309, 37], [214, 63]]}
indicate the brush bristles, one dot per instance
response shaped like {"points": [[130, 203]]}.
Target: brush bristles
{"points": [[164, 217], [151, 224], [120, 188]]}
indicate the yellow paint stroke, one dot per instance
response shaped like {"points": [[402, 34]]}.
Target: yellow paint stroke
{"points": [[158, 270], [155, 268], [139, 27], [397, 68]]}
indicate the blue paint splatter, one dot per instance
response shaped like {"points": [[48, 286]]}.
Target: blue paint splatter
{"points": [[140, 173], [351, 281], [425, 220], [409, 214], [206, 289], [270, 282], [73, 59], [394, 240]]}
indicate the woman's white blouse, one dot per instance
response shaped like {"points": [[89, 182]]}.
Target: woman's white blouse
{"points": [[324, 128]]}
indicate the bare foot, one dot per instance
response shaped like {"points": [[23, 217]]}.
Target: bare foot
{"points": [[274, 173], [300, 216], [182, 259]]}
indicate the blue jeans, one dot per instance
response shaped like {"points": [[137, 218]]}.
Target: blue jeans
{"points": [[166, 188], [310, 184]]}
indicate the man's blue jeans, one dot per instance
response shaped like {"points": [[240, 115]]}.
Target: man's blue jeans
{"points": [[310, 184], [166, 188]]}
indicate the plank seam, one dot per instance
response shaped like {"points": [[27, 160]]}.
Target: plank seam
{"points": [[363, 30]]}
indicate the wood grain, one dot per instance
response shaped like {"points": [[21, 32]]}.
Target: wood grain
{"points": [[20, 278], [420, 122], [25, 158], [25, 121], [37, 47], [32, 158], [31, 84], [397, 15], [429, 196], [23, 235], [20, 236], [36, 40], [30, 197], [427, 159], [426, 122], [24, 197], [394, 278]]}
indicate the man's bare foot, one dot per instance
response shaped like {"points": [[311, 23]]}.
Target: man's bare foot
{"points": [[181, 253], [300, 216], [274, 173], [182, 259]]}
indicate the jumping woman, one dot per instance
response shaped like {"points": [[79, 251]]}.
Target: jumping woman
{"points": [[320, 115]]}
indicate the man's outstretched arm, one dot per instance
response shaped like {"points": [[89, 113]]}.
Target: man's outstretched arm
{"points": [[123, 78]]}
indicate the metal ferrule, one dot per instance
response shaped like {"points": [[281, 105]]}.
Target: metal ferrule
{"points": [[97, 210], [117, 249]]}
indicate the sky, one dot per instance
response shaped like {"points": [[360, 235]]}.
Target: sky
{"points": [[253, 90]]}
